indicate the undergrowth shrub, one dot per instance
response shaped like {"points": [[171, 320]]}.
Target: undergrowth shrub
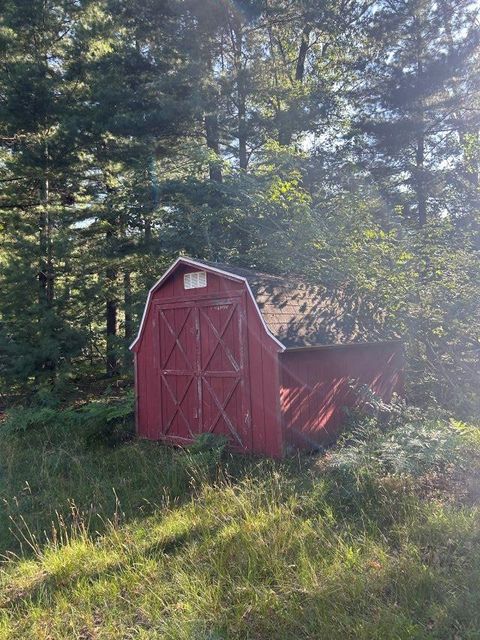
{"points": [[209, 442], [24, 419], [399, 439], [202, 458], [108, 422]]}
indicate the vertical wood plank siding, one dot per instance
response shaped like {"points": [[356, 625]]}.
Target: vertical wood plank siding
{"points": [[205, 361], [256, 410], [316, 387]]}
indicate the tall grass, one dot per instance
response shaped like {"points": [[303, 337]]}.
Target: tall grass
{"points": [[315, 547], [57, 468]]}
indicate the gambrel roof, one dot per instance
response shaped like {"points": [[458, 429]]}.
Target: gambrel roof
{"points": [[299, 314]]}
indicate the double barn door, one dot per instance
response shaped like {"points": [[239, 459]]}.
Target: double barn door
{"points": [[202, 358]]}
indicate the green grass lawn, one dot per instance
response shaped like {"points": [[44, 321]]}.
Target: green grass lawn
{"points": [[148, 542]]}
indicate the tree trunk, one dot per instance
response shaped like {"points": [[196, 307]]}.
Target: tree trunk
{"points": [[242, 129], [419, 174], [302, 53], [286, 124], [111, 305], [127, 300], [213, 143], [241, 94], [45, 275], [420, 180], [111, 317], [111, 322]]}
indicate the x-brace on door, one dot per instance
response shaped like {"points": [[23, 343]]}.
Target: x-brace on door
{"points": [[203, 366]]}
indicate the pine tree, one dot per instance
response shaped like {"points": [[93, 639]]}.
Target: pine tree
{"points": [[412, 100], [137, 107], [39, 173]]}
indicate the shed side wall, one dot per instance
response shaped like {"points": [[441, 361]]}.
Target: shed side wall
{"points": [[316, 387], [264, 387]]}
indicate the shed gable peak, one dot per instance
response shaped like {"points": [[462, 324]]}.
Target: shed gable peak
{"points": [[208, 267]]}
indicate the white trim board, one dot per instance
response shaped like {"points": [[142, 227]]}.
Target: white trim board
{"points": [[194, 263]]}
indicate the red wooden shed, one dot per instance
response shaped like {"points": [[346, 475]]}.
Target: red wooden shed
{"points": [[265, 360]]}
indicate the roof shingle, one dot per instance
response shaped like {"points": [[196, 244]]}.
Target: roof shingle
{"points": [[300, 314]]}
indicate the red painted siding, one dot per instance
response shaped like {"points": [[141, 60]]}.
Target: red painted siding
{"points": [[264, 385], [208, 343], [204, 361], [315, 387]]}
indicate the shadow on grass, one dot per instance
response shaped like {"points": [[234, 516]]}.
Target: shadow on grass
{"points": [[49, 481], [43, 582]]}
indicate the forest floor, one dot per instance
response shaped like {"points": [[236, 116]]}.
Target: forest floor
{"points": [[141, 541]]}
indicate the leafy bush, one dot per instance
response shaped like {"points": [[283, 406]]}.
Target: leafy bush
{"points": [[208, 442], [398, 439], [24, 419], [106, 422], [202, 458]]}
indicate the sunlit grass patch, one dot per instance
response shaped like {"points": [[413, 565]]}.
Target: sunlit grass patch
{"points": [[248, 549]]}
